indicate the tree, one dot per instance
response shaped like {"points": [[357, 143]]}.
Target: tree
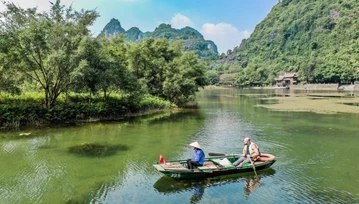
{"points": [[112, 70], [164, 71], [44, 46], [149, 61], [183, 78], [117, 75], [86, 77], [8, 82], [212, 77]]}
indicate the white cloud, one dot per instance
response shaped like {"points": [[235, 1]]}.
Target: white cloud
{"points": [[224, 35], [180, 21]]}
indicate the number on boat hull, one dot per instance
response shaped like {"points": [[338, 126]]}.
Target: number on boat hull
{"points": [[176, 175]]}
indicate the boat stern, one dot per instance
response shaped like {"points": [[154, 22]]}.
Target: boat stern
{"points": [[158, 167]]}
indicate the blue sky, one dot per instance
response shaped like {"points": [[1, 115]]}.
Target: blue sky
{"points": [[226, 22]]}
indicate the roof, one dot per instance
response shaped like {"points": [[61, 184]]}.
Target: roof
{"points": [[226, 75], [290, 75], [287, 75]]}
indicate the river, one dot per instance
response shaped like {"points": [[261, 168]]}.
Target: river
{"points": [[316, 156]]}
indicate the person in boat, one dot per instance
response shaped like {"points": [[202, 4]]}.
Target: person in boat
{"points": [[250, 151], [198, 159]]}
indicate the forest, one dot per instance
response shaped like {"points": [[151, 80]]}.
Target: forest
{"points": [[53, 71]]}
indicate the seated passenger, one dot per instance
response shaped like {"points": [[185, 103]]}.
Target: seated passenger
{"points": [[198, 159]]}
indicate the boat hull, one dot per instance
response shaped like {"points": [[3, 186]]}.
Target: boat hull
{"points": [[178, 170]]}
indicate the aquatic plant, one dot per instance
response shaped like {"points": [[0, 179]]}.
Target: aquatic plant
{"points": [[97, 150]]}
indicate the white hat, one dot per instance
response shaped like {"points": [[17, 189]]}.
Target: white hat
{"points": [[246, 140], [196, 145]]}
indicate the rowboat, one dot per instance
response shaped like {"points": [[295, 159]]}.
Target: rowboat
{"points": [[166, 185], [213, 166]]}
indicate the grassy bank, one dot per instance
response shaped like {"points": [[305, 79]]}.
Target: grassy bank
{"points": [[28, 110]]}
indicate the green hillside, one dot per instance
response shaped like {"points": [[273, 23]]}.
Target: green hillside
{"points": [[318, 39]]}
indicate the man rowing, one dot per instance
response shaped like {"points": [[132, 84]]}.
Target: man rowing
{"points": [[250, 151]]}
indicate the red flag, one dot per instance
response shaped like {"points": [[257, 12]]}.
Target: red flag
{"points": [[162, 159]]}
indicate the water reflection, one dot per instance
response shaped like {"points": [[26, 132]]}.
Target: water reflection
{"points": [[198, 192], [173, 116], [250, 184], [166, 185]]}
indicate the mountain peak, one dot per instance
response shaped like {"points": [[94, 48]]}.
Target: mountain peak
{"points": [[164, 26], [114, 20], [190, 29], [113, 28]]}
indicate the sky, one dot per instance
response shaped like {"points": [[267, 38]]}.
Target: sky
{"points": [[225, 22]]}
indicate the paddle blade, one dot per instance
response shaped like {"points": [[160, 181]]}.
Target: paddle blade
{"points": [[223, 154], [162, 159]]}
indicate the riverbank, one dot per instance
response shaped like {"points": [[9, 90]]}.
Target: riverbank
{"points": [[316, 87], [28, 111], [334, 87]]}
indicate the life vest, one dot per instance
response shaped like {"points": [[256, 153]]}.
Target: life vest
{"points": [[251, 151]]}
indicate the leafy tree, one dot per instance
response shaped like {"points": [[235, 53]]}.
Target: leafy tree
{"points": [[118, 74], [136, 60], [43, 46], [149, 60], [219, 68], [212, 77], [9, 83], [163, 70], [86, 76], [105, 68], [112, 74], [183, 78]]}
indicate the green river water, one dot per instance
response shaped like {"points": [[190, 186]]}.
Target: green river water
{"points": [[317, 156]]}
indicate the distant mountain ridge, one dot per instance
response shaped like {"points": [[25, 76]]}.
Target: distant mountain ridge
{"points": [[192, 39]]}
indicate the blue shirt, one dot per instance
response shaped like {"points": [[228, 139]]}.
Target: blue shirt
{"points": [[198, 156]]}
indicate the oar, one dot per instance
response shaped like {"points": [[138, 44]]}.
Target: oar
{"points": [[254, 168], [222, 154]]}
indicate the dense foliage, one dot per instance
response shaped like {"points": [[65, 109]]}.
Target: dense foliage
{"points": [[319, 40], [54, 53], [42, 46]]}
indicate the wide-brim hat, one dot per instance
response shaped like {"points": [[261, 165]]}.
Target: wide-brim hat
{"points": [[196, 145]]}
